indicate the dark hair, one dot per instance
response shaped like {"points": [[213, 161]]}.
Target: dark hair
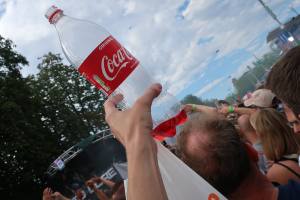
{"points": [[284, 81], [218, 155]]}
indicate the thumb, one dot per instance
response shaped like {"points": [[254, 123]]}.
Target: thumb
{"points": [[150, 94]]}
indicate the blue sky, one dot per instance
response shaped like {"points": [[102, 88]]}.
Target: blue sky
{"points": [[2, 7], [229, 63], [192, 46]]}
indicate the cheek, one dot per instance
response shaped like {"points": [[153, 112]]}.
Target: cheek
{"points": [[258, 134]]}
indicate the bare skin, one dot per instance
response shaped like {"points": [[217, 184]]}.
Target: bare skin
{"points": [[240, 111], [281, 175], [247, 130], [292, 119], [101, 195], [132, 128], [98, 180], [49, 195], [255, 187], [199, 108]]}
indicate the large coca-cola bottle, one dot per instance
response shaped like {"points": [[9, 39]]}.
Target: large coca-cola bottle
{"points": [[105, 63]]}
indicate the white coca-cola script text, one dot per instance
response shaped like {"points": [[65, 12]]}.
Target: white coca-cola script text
{"points": [[111, 66]]}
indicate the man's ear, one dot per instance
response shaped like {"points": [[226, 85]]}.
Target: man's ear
{"points": [[299, 116]]}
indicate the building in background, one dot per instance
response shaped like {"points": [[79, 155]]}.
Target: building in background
{"points": [[286, 36]]}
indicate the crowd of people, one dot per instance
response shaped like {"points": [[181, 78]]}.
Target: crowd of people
{"points": [[249, 150], [116, 191]]}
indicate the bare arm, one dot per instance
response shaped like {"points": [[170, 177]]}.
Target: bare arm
{"points": [[59, 196], [199, 108], [280, 174], [240, 111], [143, 170], [132, 128], [47, 194], [109, 183], [101, 195]]}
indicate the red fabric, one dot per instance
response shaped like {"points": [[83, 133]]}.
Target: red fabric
{"points": [[252, 153]]}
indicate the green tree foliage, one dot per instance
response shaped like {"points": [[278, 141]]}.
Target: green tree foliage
{"points": [[40, 117], [247, 82], [21, 131], [72, 108], [231, 98], [191, 99]]}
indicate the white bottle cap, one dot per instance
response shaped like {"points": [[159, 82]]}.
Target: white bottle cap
{"points": [[51, 12]]}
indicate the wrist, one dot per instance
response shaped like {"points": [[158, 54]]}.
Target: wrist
{"points": [[194, 108], [140, 140], [230, 109]]}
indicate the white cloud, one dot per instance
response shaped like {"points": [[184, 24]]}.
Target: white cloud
{"points": [[129, 7], [260, 50], [295, 3], [166, 46], [209, 86]]}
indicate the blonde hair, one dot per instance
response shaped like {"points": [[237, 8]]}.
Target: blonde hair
{"points": [[276, 136]]}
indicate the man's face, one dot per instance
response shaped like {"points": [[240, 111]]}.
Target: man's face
{"points": [[292, 119]]}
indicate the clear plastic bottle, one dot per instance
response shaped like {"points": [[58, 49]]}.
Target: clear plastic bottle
{"points": [[82, 41], [79, 40]]}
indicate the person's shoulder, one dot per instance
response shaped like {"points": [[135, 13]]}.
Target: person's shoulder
{"points": [[279, 174], [293, 165], [289, 191]]}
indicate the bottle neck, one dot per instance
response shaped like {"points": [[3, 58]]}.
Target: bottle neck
{"points": [[53, 19]]}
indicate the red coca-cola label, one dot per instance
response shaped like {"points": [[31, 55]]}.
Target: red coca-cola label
{"points": [[108, 65]]}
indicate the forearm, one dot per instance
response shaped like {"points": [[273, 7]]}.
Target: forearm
{"points": [[109, 183], [101, 195], [242, 111], [205, 109], [65, 198], [144, 179]]}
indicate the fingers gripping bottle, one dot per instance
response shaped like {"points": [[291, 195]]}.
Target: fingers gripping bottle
{"points": [[105, 63]]}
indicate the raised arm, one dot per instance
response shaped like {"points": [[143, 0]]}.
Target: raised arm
{"points": [[91, 184], [109, 183], [133, 128], [101, 195], [241, 111], [199, 108], [59, 196]]}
